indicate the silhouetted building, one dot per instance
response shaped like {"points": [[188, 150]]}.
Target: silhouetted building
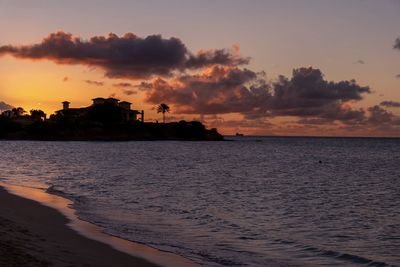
{"points": [[111, 100], [98, 100], [65, 105], [127, 112], [125, 105]]}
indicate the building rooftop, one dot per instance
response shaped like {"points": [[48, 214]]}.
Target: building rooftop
{"points": [[112, 98]]}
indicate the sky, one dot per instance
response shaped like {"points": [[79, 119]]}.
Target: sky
{"points": [[258, 67]]}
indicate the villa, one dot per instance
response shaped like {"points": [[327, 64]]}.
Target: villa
{"points": [[129, 114]]}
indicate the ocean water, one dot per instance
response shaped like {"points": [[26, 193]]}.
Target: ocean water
{"points": [[248, 202]]}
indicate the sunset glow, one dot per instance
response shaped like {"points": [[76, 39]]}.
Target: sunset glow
{"points": [[228, 81]]}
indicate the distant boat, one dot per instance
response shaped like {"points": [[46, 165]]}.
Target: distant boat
{"points": [[239, 134]]}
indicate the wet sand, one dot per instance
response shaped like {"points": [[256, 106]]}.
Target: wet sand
{"points": [[32, 234]]}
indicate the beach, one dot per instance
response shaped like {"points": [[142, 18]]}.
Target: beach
{"points": [[32, 234]]}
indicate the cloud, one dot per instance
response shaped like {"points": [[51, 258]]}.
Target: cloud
{"points": [[314, 121], [5, 106], [360, 61], [308, 94], [379, 115], [237, 124], [221, 90], [129, 92], [397, 44], [96, 83], [123, 85], [144, 86], [390, 104], [377, 122], [217, 90], [224, 57], [128, 56]]}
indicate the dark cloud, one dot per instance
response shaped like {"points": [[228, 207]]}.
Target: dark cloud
{"points": [[5, 106], [360, 61], [128, 56], [377, 122], [222, 90], [308, 94], [96, 83], [216, 57], [218, 90], [397, 44], [390, 104], [380, 116]]}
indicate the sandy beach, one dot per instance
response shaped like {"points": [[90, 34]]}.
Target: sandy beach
{"points": [[32, 234]]}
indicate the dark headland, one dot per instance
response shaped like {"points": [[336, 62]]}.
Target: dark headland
{"points": [[105, 120]]}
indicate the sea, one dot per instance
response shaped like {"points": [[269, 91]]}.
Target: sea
{"points": [[247, 201]]}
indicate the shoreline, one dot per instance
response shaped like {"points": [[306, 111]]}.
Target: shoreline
{"points": [[41, 229]]}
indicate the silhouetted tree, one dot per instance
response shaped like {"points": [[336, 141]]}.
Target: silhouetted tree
{"points": [[163, 108], [18, 112], [38, 114]]}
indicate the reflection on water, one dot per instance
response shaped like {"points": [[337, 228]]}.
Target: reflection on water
{"points": [[270, 201]]}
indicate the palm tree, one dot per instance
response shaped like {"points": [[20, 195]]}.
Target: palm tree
{"points": [[38, 114], [18, 112], [162, 108]]}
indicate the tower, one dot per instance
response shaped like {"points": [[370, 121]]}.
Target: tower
{"points": [[65, 105]]}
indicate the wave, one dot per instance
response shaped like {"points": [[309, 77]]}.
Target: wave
{"points": [[347, 257], [52, 189]]}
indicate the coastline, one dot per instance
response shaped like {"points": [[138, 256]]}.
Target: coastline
{"points": [[40, 229]]}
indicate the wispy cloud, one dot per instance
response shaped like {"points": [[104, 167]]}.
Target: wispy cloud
{"points": [[129, 92], [126, 88], [390, 104], [96, 83], [123, 85]]}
